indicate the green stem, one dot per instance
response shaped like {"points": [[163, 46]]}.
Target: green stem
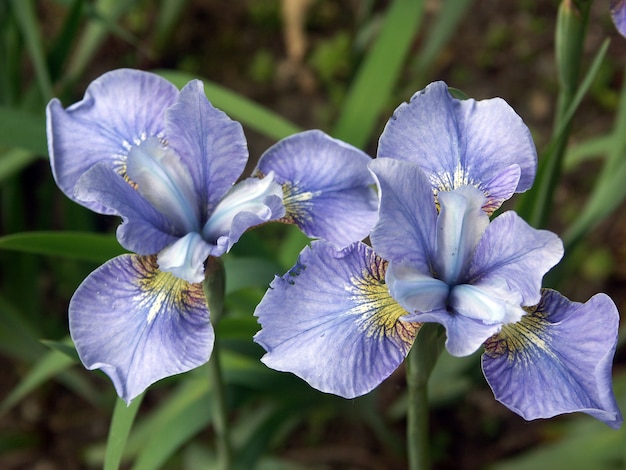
{"points": [[420, 363], [214, 291]]}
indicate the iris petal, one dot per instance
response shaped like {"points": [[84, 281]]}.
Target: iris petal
{"points": [[250, 202], [557, 359], [618, 14], [406, 227], [511, 249], [138, 324], [185, 258], [211, 145], [165, 182], [120, 109], [331, 321], [327, 186], [461, 142]]}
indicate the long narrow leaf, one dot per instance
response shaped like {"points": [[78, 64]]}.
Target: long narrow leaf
{"points": [[72, 245], [238, 107], [23, 129], [370, 92], [25, 14], [121, 424]]}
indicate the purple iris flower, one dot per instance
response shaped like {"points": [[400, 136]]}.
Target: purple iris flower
{"points": [[343, 320], [167, 162], [618, 13]]}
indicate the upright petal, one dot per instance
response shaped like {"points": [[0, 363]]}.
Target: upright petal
{"points": [[331, 321], [459, 142], [144, 230], [211, 145], [120, 109], [557, 359], [512, 250], [327, 186], [406, 228], [139, 325]]}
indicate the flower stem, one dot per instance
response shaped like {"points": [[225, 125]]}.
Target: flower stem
{"points": [[420, 363], [214, 290]]}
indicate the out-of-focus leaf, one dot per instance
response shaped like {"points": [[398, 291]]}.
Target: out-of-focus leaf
{"points": [[372, 86], [50, 365], [66, 347], [17, 337], [248, 272], [121, 424], [22, 129], [29, 27], [14, 161], [238, 107], [73, 245]]}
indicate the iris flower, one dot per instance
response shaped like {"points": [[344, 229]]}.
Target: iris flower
{"points": [[618, 14], [344, 320], [166, 161]]}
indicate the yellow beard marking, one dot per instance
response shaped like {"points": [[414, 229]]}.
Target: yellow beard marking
{"points": [[380, 313], [163, 292], [516, 340], [297, 204]]}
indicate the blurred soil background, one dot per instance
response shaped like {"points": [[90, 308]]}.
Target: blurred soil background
{"points": [[501, 48]]}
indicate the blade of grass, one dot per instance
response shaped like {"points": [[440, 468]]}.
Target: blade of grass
{"points": [[27, 20], [23, 129], [73, 245], [238, 107], [121, 424], [379, 72]]}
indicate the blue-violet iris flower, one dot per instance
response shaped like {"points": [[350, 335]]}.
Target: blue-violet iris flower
{"points": [[343, 320], [618, 14], [166, 161]]}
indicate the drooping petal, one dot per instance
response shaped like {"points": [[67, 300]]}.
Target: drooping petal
{"points": [[144, 230], [250, 202], [513, 251], [331, 321], [327, 186], [460, 142], [460, 225], [211, 145], [120, 109], [406, 228], [165, 182], [618, 13], [139, 325], [185, 258], [557, 359]]}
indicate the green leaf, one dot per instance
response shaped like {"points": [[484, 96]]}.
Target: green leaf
{"points": [[248, 272], [27, 20], [51, 364], [14, 161], [375, 79], [121, 424], [22, 129], [238, 107], [73, 245]]}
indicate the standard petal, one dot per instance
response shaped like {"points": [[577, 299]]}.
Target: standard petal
{"points": [[331, 321], [139, 325], [144, 230], [512, 250], [211, 145], [250, 202], [405, 231], [618, 13], [120, 109], [459, 142], [557, 359], [328, 188]]}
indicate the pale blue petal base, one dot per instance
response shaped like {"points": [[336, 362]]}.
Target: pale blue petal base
{"points": [[331, 321], [557, 359], [139, 325]]}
